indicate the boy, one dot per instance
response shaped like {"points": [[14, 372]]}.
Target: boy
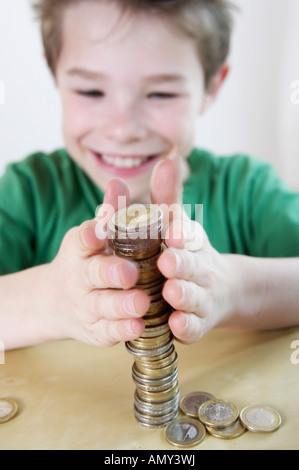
{"points": [[133, 77]]}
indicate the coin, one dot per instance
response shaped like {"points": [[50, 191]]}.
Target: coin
{"points": [[218, 413], [259, 418], [156, 421], [185, 432], [191, 402], [8, 409], [161, 396], [230, 432]]}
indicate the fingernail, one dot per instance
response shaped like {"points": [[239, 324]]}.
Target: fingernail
{"points": [[183, 295], [129, 304], [133, 327], [178, 261], [114, 275], [82, 235], [192, 235], [186, 323]]}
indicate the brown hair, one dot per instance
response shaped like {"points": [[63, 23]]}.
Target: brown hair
{"points": [[209, 22]]}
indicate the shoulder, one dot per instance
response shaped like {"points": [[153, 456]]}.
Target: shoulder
{"points": [[41, 173], [229, 172], [200, 160], [40, 163]]}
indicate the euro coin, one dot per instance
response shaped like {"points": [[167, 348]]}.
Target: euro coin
{"points": [[259, 418], [155, 421], [185, 432], [8, 409], [218, 413], [191, 402], [230, 432]]}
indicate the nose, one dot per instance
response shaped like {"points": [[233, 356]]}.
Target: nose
{"points": [[123, 122]]}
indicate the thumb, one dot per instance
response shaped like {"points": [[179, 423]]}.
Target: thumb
{"points": [[167, 192], [116, 197], [166, 189], [166, 182], [92, 234]]}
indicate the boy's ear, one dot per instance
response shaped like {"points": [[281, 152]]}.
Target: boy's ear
{"points": [[214, 86]]}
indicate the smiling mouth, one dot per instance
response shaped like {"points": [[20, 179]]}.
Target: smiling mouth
{"points": [[124, 162]]}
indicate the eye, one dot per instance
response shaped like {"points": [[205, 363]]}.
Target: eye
{"points": [[91, 93], [163, 96]]}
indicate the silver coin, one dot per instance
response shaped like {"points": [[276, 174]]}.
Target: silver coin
{"points": [[259, 418], [219, 413], [8, 409], [155, 421]]}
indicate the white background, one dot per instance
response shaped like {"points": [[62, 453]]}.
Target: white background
{"points": [[254, 113]]}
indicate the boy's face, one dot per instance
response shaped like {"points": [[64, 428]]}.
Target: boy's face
{"points": [[131, 90]]}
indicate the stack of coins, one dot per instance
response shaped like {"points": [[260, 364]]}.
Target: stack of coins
{"points": [[135, 233]]}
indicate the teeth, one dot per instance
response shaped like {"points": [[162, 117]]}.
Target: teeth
{"points": [[123, 162]]}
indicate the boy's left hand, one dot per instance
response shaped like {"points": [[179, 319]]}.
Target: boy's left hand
{"points": [[201, 282]]}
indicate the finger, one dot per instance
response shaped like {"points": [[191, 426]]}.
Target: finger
{"points": [[185, 233], [116, 305], [103, 272], [91, 236], [188, 327], [182, 264], [82, 241], [185, 295], [108, 333]]}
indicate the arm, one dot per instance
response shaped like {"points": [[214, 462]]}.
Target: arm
{"points": [[24, 317], [209, 289], [269, 294], [83, 293]]}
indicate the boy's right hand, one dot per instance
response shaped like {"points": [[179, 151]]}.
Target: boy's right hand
{"points": [[92, 296]]}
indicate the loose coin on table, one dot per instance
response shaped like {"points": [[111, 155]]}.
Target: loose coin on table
{"points": [[191, 402], [185, 432], [230, 432], [259, 418], [218, 413], [8, 409]]}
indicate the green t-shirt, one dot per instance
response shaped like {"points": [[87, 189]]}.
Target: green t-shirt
{"points": [[247, 209]]}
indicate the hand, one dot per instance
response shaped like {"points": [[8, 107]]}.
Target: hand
{"points": [[92, 294], [200, 281]]}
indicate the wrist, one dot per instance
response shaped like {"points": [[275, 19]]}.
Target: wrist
{"points": [[246, 291]]}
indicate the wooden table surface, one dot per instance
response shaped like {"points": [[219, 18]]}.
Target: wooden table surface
{"points": [[75, 396]]}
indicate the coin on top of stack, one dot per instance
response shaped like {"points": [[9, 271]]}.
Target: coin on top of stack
{"points": [[136, 234]]}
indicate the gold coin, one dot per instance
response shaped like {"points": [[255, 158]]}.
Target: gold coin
{"points": [[191, 402], [8, 409], [259, 418], [156, 360], [185, 432], [218, 413], [159, 397], [158, 372], [230, 432]]}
